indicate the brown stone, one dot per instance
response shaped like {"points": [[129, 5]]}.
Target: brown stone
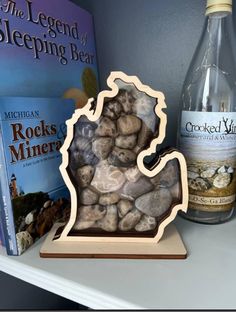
{"points": [[124, 206], [84, 175], [126, 99], [112, 109], [109, 199], [145, 136], [128, 141], [83, 225], [128, 125], [106, 128], [91, 213]]}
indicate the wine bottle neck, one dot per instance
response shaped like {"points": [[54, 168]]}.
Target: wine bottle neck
{"points": [[219, 15], [219, 25]]}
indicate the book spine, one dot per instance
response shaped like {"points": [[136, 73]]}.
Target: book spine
{"points": [[2, 238], [7, 220]]}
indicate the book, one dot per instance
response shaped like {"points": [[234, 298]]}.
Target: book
{"points": [[47, 50], [33, 193], [2, 241]]}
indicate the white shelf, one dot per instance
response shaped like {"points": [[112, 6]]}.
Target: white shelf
{"points": [[206, 280]]}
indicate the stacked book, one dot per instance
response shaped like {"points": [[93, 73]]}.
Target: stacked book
{"points": [[48, 68]]}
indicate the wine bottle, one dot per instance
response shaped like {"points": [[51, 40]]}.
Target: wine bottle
{"points": [[207, 127]]}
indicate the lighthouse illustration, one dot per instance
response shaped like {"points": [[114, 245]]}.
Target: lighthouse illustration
{"points": [[13, 187]]}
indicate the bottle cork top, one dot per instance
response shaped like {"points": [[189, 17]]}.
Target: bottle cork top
{"points": [[218, 6]]}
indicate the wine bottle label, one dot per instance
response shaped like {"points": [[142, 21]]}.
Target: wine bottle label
{"points": [[208, 141]]}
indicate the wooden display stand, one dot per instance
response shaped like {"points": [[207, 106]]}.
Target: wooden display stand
{"points": [[171, 245]]}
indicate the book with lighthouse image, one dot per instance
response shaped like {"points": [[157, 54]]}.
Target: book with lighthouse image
{"points": [[48, 54], [33, 193]]}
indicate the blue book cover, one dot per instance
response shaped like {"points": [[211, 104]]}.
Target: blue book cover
{"points": [[2, 239], [34, 196], [47, 49]]}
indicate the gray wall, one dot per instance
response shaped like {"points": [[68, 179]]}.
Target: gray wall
{"points": [[153, 39]]}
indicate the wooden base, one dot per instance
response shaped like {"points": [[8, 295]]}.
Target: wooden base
{"points": [[170, 247]]}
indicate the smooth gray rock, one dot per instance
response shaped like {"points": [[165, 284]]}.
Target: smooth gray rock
{"points": [[85, 129], [88, 158], [83, 144], [75, 161], [102, 147], [91, 213], [155, 203], [130, 220], [120, 157], [128, 141], [88, 197], [168, 176], [110, 221], [135, 189]]}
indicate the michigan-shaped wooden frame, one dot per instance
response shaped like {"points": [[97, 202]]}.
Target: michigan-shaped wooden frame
{"points": [[171, 246], [94, 116]]}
